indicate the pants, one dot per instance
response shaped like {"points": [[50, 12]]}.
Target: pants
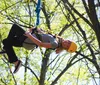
{"points": [[15, 38]]}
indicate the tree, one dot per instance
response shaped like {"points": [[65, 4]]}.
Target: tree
{"points": [[76, 20]]}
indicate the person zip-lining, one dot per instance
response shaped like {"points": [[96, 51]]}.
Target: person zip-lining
{"points": [[34, 37]]}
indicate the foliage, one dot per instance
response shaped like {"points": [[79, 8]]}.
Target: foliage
{"points": [[77, 20]]}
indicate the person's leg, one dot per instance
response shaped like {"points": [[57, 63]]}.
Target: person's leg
{"points": [[11, 54], [9, 50], [13, 40], [15, 31]]}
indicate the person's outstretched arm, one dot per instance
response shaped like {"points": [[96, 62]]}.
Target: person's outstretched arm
{"points": [[37, 41]]}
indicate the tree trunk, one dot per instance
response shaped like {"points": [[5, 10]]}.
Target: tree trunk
{"points": [[44, 67]]}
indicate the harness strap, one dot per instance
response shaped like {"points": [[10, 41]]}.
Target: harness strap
{"points": [[60, 42]]}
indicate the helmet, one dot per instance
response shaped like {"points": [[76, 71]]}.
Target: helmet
{"points": [[72, 48]]}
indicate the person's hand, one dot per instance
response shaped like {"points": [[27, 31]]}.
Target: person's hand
{"points": [[27, 33], [30, 29], [58, 50], [39, 30]]}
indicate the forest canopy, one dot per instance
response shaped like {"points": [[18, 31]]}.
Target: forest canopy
{"points": [[77, 20]]}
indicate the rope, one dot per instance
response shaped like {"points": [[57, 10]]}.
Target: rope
{"points": [[38, 8]]}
